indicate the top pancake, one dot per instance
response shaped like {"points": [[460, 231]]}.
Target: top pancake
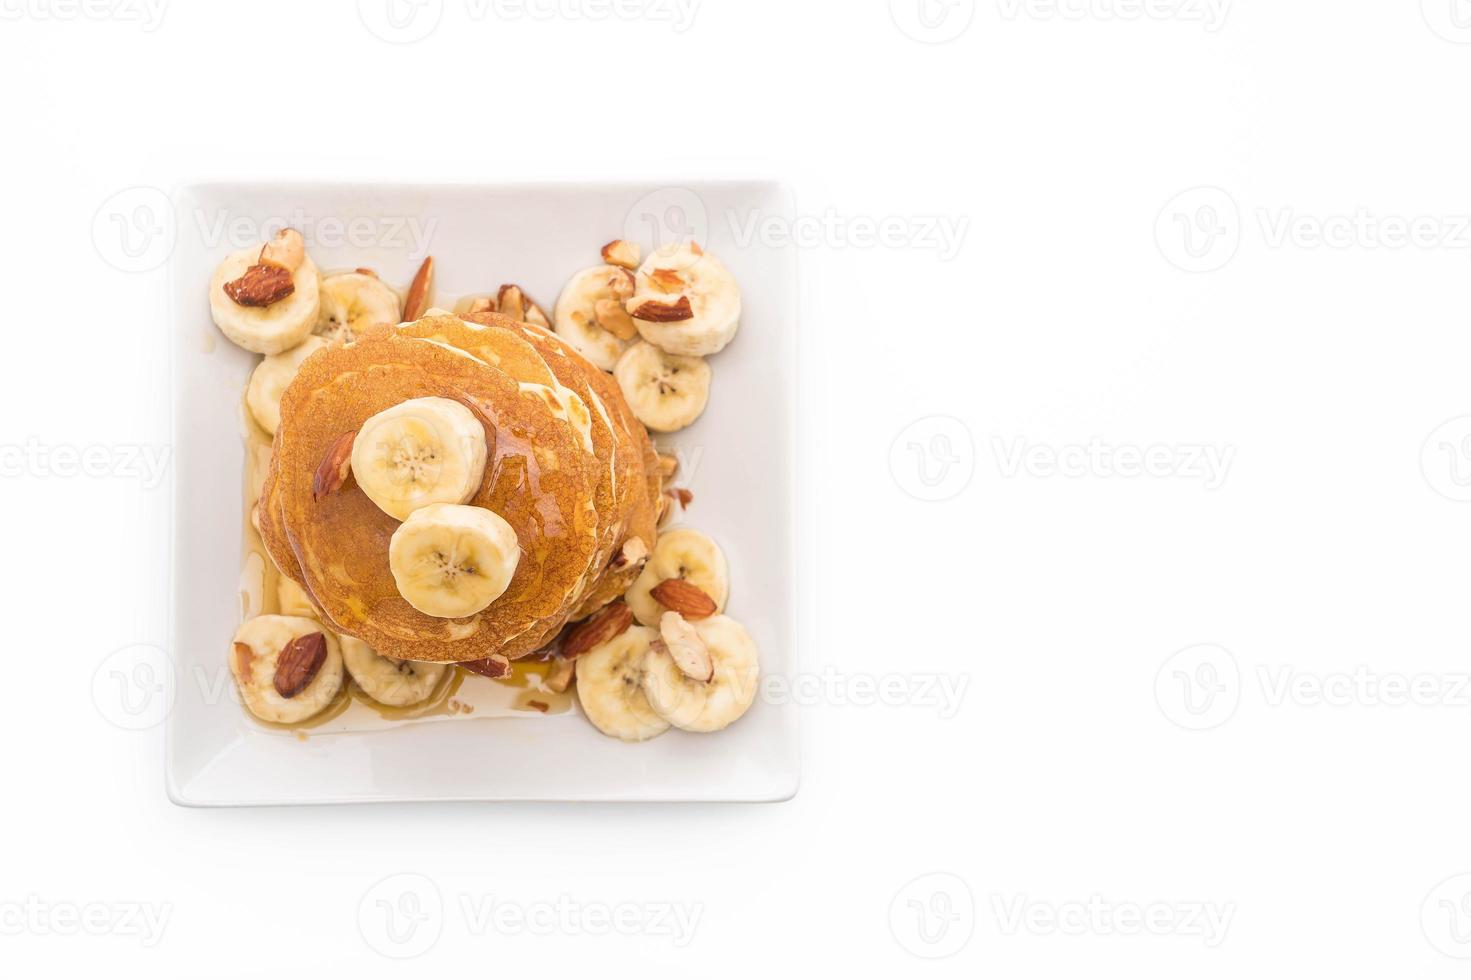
{"points": [[539, 476]]}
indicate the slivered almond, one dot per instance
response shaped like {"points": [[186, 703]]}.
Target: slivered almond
{"points": [[298, 664], [541, 706], [418, 299], [633, 552], [336, 464], [690, 601], [244, 662], [559, 678], [656, 312], [366, 272], [287, 250], [537, 316], [612, 317], [685, 647], [481, 304], [668, 465], [494, 665], [512, 301], [668, 280], [622, 283], [608, 623], [621, 253]]}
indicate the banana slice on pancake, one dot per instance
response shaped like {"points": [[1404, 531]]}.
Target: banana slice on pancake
{"points": [[270, 378], [288, 668], [450, 560], [266, 298], [576, 314], [610, 687], [398, 683], [419, 452], [696, 704], [685, 301], [667, 392], [684, 554], [351, 303]]}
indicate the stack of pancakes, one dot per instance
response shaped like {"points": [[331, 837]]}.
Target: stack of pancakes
{"points": [[568, 467]]}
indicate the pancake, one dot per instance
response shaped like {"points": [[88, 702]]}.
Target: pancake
{"points": [[539, 477]]}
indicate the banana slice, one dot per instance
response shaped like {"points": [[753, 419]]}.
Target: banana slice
{"points": [[686, 554], [666, 391], [576, 314], [353, 302], [610, 680], [288, 667], [292, 599], [398, 683], [685, 301], [450, 560], [266, 299], [421, 451], [270, 378], [705, 706]]}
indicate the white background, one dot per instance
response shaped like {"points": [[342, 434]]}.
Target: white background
{"points": [[1319, 828]]}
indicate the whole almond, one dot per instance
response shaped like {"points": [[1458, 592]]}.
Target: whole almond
{"points": [[690, 601], [332, 471], [261, 285], [298, 664], [608, 623]]}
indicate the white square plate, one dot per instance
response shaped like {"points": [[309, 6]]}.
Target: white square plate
{"points": [[739, 464]]}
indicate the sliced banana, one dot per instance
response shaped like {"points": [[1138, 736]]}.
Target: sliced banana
{"points": [[705, 706], [685, 301], [292, 599], [353, 302], [666, 391], [450, 560], [270, 378], [398, 683], [276, 326], [686, 554], [610, 681], [576, 313], [419, 452], [255, 660]]}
